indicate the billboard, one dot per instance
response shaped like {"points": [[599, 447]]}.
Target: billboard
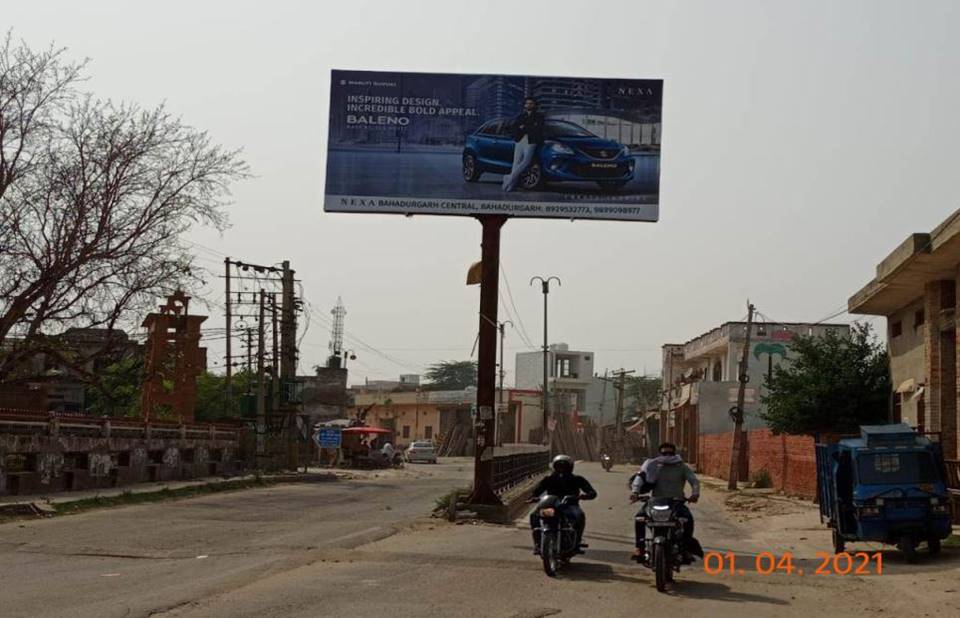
{"points": [[464, 144]]}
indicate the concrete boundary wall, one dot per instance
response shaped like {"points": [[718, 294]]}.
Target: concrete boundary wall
{"points": [[51, 454]]}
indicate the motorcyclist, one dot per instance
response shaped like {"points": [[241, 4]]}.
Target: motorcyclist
{"points": [[666, 475], [562, 482]]}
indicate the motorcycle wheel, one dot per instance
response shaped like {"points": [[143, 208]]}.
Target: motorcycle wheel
{"points": [[549, 554], [661, 566]]}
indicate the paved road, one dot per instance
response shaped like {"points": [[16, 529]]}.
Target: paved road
{"points": [[327, 550], [481, 570], [139, 560]]}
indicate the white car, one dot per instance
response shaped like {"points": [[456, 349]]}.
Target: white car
{"points": [[421, 450]]}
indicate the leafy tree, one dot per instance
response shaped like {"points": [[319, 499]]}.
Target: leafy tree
{"points": [[451, 375], [94, 198], [832, 384], [643, 391], [212, 403], [117, 392]]}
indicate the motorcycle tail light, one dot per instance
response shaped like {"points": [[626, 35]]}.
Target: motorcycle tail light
{"points": [[548, 512]]}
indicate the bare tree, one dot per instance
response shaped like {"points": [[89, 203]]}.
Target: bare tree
{"points": [[94, 197]]}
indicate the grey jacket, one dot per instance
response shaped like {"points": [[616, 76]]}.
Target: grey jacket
{"points": [[671, 481]]}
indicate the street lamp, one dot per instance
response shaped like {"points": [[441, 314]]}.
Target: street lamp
{"points": [[351, 354], [545, 287]]}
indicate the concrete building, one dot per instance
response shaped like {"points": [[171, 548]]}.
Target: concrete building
{"points": [[324, 394], [915, 288], [570, 375], [700, 377], [55, 386], [431, 415]]}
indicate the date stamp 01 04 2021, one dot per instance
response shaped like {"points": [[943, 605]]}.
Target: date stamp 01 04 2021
{"points": [[767, 563]]}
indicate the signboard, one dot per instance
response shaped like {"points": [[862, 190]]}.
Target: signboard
{"points": [[328, 437], [749, 395], [468, 144]]}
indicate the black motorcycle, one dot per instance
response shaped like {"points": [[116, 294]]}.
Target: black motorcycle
{"points": [[558, 533], [663, 542], [606, 461]]}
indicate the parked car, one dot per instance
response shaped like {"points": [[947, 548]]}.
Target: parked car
{"points": [[421, 451], [569, 153]]}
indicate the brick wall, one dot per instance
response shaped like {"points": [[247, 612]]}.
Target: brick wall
{"points": [[790, 460]]}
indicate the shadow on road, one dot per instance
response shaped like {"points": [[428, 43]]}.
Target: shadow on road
{"points": [[596, 571], [715, 591], [609, 538]]}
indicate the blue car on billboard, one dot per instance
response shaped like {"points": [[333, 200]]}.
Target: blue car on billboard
{"points": [[569, 153]]}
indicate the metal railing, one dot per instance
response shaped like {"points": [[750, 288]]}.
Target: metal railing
{"points": [[515, 466]]}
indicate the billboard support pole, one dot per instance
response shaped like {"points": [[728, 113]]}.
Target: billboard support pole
{"points": [[483, 492]]}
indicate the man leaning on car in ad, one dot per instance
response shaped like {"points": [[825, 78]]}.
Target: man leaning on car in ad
{"points": [[527, 131]]}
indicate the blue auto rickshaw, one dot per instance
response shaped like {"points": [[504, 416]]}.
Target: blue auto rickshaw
{"points": [[888, 486]]}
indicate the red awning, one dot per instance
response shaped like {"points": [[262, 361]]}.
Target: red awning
{"points": [[366, 430]]}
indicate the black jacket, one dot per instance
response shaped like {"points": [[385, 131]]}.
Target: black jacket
{"points": [[565, 485], [529, 124]]}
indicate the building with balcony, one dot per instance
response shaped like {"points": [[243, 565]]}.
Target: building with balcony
{"points": [[700, 378], [570, 375], [915, 288]]}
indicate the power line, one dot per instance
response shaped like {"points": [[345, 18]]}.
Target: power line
{"points": [[523, 330]]}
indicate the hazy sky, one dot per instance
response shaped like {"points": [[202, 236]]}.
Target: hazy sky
{"points": [[801, 142]]}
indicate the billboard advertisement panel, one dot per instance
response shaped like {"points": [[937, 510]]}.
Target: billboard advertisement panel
{"points": [[465, 144]]}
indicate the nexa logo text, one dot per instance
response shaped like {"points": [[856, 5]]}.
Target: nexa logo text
{"points": [[634, 92]]}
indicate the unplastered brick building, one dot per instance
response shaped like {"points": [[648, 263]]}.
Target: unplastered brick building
{"points": [[915, 288]]}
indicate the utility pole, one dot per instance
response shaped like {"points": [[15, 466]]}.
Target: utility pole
{"points": [[274, 364], [483, 492], [620, 386], [603, 401], [249, 357], [261, 394], [547, 418], [503, 335], [229, 319], [737, 454], [288, 362]]}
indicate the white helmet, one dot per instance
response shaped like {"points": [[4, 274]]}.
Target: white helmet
{"points": [[564, 461]]}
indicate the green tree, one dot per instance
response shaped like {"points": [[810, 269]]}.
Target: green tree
{"points": [[832, 384], [117, 392], [451, 375], [212, 404], [643, 391]]}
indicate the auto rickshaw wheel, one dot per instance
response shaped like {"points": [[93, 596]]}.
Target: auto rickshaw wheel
{"points": [[933, 545], [908, 545], [839, 546]]}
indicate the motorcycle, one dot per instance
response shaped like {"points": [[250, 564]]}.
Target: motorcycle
{"points": [[606, 461], [663, 541], [558, 534]]}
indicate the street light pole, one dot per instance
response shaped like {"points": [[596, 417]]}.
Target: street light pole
{"points": [[545, 287]]}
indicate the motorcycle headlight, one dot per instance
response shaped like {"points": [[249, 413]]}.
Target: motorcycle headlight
{"points": [[548, 512], [561, 148]]}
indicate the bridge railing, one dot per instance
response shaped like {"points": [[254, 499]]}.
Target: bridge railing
{"points": [[514, 464]]}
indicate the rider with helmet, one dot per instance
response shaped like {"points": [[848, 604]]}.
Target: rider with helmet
{"points": [[562, 482]]}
